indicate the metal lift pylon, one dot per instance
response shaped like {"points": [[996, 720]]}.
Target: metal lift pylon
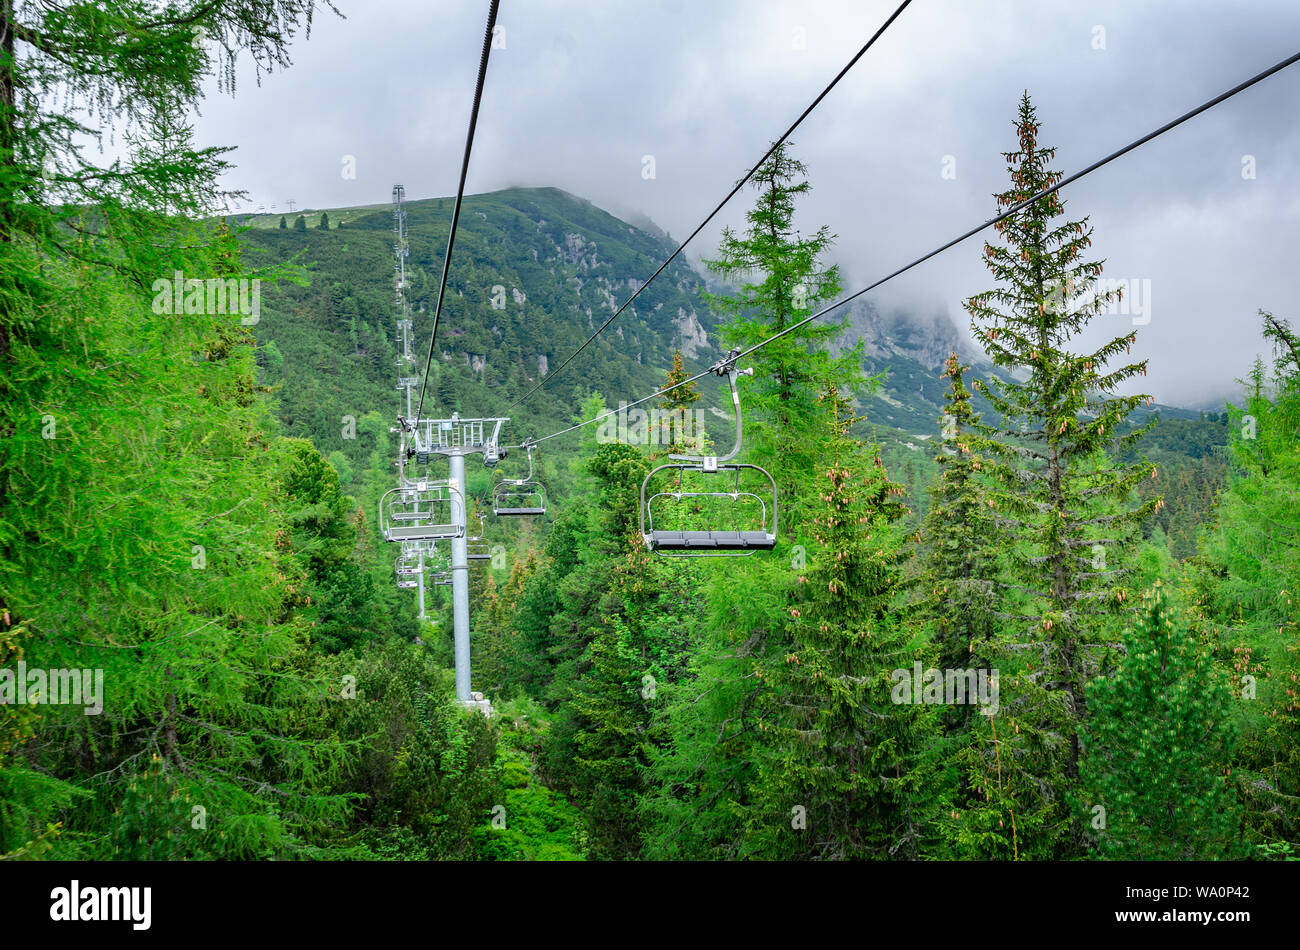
{"points": [[455, 438], [420, 439]]}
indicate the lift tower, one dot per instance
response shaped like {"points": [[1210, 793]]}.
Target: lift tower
{"points": [[422, 510], [454, 438], [406, 378]]}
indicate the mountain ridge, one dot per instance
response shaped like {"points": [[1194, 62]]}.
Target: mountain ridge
{"points": [[537, 270]]}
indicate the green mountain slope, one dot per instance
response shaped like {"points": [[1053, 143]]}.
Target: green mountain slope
{"points": [[556, 265]]}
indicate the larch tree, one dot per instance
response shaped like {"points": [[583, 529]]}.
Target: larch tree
{"points": [[176, 578], [1248, 578], [707, 776], [782, 280], [679, 437]]}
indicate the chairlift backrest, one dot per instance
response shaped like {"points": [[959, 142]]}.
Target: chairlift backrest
{"points": [[408, 566]]}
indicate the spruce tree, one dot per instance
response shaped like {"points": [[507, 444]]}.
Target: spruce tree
{"points": [[1063, 504], [846, 774], [608, 708], [497, 648], [960, 566], [1158, 747], [324, 221], [283, 225]]}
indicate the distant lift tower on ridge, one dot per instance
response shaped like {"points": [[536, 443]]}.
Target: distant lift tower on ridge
{"points": [[410, 569], [422, 510]]}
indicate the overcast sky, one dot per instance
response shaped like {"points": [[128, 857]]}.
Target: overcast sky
{"points": [[582, 92]]}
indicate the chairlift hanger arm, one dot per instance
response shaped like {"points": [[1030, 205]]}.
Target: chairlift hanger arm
{"points": [[528, 445], [725, 367]]}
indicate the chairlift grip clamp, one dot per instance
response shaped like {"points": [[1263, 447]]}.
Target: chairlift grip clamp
{"points": [[727, 364]]}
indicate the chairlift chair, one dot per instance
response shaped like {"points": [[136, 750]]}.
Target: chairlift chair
{"points": [[520, 496], [427, 548], [476, 546], [713, 542], [419, 512]]}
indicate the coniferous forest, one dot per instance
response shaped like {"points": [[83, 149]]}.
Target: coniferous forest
{"points": [[1058, 624]]}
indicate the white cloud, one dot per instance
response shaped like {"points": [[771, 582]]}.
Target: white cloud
{"points": [[581, 93]]}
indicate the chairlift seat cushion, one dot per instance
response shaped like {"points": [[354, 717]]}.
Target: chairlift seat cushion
{"points": [[519, 511], [714, 540], [422, 532]]}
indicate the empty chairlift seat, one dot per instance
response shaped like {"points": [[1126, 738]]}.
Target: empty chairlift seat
{"points": [[706, 541], [519, 499], [753, 523], [731, 520], [477, 547], [408, 565], [420, 513], [520, 496]]}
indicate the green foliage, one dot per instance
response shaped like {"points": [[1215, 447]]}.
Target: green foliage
{"points": [[188, 510], [1247, 577], [960, 563], [29, 799], [339, 598], [845, 772], [1063, 505], [1158, 747], [535, 823], [422, 773], [618, 635]]}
